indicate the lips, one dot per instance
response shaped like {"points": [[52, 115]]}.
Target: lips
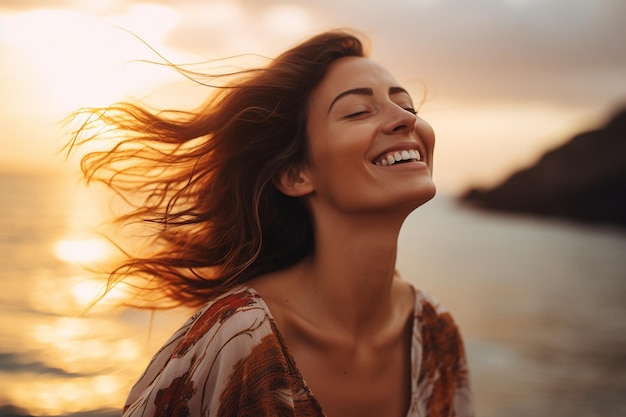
{"points": [[398, 157]]}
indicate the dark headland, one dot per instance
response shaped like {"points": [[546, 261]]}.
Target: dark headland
{"points": [[583, 180]]}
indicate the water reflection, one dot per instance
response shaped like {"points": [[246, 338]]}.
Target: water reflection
{"points": [[77, 347], [72, 364], [58, 354], [76, 295], [82, 250], [60, 396]]}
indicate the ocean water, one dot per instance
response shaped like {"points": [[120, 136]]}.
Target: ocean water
{"points": [[541, 304]]}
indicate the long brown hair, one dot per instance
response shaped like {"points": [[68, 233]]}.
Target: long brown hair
{"points": [[206, 176]]}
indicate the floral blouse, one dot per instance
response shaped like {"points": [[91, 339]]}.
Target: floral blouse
{"points": [[229, 359]]}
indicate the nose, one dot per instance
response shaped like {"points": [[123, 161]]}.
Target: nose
{"points": [[398, 120]]}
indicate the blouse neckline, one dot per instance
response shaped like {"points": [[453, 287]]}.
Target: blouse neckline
{"points": [[415, 349]]}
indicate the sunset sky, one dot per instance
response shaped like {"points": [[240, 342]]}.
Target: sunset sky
{"points": [[505, 79]]}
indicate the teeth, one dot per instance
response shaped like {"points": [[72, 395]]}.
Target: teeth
{"points": [[398, 156]]}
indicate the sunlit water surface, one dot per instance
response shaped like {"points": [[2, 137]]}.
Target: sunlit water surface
{"points": [[541, 305]]}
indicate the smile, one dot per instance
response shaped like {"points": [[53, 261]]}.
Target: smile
{"points": [[398, 157]]}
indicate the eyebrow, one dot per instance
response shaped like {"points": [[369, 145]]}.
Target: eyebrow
{"points": [[364, 91]]}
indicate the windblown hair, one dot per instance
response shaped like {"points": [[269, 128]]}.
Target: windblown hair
{"points": [[205, 177]]}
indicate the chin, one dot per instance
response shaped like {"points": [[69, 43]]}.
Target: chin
{"points": [[426, 193], [409, 204]]}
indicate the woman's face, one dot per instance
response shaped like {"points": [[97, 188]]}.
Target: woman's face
{"points": [[369, 150]]}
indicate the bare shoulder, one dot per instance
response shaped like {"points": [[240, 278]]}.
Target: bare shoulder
{"points": [[403, 298], [277, 290]]}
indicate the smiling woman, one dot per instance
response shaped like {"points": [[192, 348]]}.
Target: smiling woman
{"points": [[271, 211]]}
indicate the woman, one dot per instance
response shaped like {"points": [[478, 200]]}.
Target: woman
{"points": [[278, 206]]}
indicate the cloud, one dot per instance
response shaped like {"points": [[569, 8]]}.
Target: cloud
{"points": [[549, 50], [560, 50], [226, 27]]}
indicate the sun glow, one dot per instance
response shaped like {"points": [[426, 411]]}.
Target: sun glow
{"points": [[82, 250], [83, 59], [60, 60]]}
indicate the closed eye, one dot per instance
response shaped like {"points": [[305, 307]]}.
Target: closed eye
{"points": [[357, 114], [410, 110]]}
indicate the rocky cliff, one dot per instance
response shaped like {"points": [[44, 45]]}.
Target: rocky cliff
{"points": [[583, 180]]}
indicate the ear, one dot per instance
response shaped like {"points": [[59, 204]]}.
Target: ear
{"points": [[294, 182]]}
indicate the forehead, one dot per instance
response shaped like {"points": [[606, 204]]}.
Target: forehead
{"points": [[352, 72]]}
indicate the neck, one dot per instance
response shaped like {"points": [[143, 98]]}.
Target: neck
{"points": [[351, 273]]}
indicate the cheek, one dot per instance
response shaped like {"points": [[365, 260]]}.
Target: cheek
{"points": [[331, 146], [427, 135], [337, 161]]}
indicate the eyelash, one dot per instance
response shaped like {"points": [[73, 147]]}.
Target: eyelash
{"points": [[359, 113]]}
